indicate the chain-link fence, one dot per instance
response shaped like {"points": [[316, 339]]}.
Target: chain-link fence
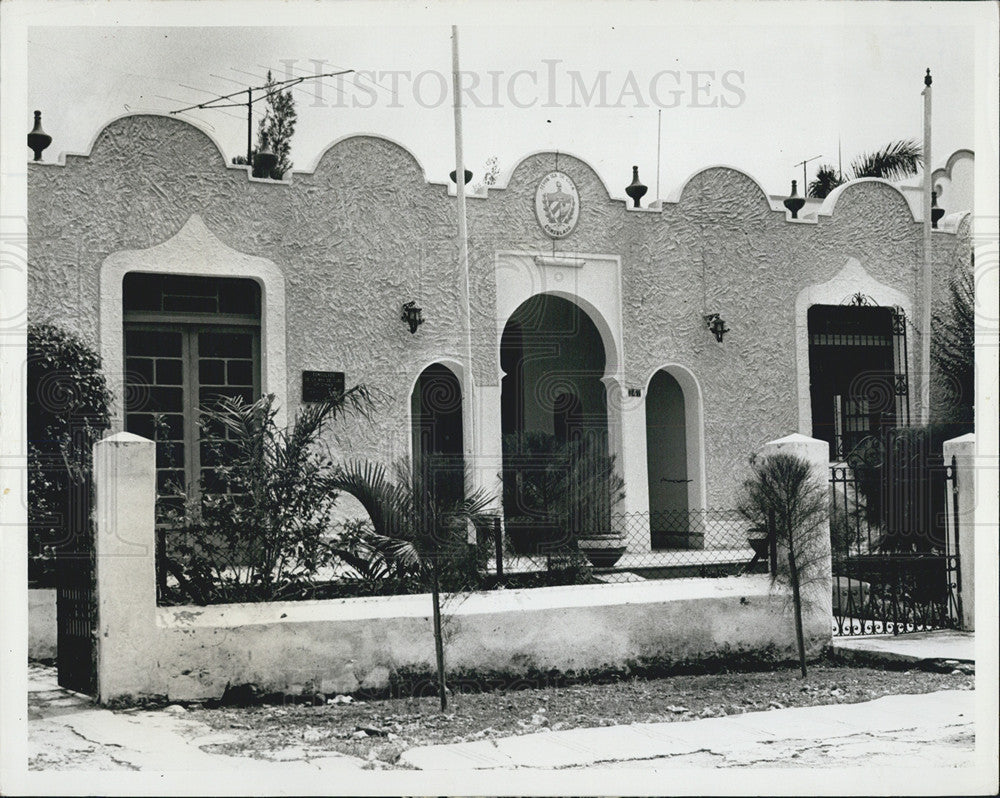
{"points": [[636, 546]]}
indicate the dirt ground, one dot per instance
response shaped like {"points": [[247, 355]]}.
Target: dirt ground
{"points": [[379, 731]]}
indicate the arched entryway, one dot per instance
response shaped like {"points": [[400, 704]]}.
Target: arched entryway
{"points": [[667, 462], [436, 424], [553, 407]]}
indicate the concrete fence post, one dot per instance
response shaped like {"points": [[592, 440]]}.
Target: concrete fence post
{"points": [[818, 576], [125, 545], [963, 449]]}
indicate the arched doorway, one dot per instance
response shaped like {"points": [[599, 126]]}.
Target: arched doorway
{"points": [[667, 463], [436, 424], [554, 419]]}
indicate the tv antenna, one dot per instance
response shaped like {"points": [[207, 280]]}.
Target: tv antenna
{"points": [[805, 180], [271, 88]]}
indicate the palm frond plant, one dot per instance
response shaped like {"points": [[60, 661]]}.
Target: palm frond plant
{"points": [[560, 490], [896, 160], [416, 531], [953, 347], [260, 529], [827, 179]]}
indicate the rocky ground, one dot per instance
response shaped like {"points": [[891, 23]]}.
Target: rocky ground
{"points": [[379, 731]]}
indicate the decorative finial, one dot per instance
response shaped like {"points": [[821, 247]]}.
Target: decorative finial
{"points": [[265, 160], [636, 190], [927, 77], [38, 139], [936, 212], [794, 203]]}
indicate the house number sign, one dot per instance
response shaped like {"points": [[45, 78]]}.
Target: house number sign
{"points": [[557, 204]]}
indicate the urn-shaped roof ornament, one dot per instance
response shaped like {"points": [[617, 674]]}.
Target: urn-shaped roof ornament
{"points": [[636, 190], [265, 160], [794, 202], [936, 212], [38, 139]]}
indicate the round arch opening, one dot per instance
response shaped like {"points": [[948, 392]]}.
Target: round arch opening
{"points": [[554, 422], [436, 428]]}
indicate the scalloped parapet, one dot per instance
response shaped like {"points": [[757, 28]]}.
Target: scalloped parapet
{"points": [[177, 146]]}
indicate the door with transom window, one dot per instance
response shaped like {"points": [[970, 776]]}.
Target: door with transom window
{"points": [[189, 341]]}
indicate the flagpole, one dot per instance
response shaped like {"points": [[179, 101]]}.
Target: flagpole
{"points": [[463, 250], [925, 324], [659, 138]]}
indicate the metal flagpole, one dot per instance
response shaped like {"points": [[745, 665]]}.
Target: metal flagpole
{"points": [[925, 325], [463, 250], [659, 136]]}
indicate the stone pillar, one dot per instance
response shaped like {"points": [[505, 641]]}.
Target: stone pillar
{"points": [[963, 449], [818, 616], [487, 462], [633, 465], [627, 442], [125, 541]]}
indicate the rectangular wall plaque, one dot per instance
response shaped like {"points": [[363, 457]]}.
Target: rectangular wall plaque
{"points": [[318, 386], [635, 391]]}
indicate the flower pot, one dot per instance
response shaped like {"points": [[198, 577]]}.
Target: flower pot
{"points": [[603, 551]]}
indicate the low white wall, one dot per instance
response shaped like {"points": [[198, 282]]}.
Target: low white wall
{"points": [[42, 630], [343, 645]]}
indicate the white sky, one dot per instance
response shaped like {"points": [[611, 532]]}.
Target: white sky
{"points": [[809, 74]]}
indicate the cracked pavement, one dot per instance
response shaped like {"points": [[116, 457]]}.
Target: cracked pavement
{"points": [[929, 730], [67, 731]]}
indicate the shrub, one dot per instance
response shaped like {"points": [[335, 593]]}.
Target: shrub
{"points": [[556, 491], [901, 481], [67, 410], [262, 533], [953, 349]]}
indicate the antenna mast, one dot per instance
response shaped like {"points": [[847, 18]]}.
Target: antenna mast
{"points": [[805, 180], [272, 88]]}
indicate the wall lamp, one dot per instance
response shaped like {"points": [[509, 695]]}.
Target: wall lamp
{"points": [[412, 315], [716, 325]]}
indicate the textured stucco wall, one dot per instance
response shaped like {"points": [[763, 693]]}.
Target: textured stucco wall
{"points": [[365, 232], [345, 645]]}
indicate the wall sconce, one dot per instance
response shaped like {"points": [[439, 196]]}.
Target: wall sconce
{"points": [[412, 315], [716, 325]]}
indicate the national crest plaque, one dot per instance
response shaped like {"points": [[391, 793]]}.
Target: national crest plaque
{"points": [[557, 204]]}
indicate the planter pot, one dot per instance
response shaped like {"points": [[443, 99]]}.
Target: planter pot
{"points": [[602, 551]]}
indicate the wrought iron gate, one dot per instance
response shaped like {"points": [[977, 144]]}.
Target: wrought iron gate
{"points": [[895, 546], [76, 611]]}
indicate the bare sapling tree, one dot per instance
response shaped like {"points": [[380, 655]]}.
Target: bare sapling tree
{"points": [[782, 495], [420, 530]]}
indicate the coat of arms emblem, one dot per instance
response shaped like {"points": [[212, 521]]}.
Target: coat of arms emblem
{"points": [[557, 204]]}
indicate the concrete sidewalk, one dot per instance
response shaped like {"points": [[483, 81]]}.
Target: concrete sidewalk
{"points": [[67, 731], [930, 729], [934, 729], [940, 645]]}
